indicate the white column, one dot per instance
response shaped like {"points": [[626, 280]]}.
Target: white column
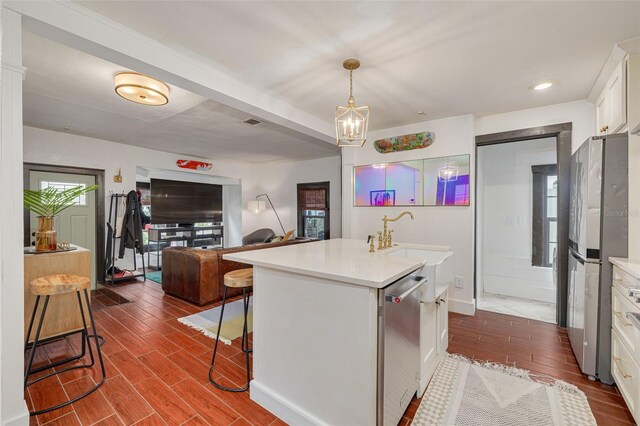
{"points": [[13, 409]]}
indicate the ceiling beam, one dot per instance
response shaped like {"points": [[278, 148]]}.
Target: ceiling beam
{"points": [[78, 27]]}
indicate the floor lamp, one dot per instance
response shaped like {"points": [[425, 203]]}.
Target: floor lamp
{"points": [[257, 206]]}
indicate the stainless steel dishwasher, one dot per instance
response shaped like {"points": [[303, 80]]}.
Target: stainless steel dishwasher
{"points": [[398, 347]]}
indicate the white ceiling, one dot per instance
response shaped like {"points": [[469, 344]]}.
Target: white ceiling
{"points": [[66, 88], [443, 58]]}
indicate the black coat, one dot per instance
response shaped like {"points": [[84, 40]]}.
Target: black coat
{"points": [[131, 234]]}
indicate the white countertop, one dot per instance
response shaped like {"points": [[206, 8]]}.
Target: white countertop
{"points": [[342, 260], [630, 266]]}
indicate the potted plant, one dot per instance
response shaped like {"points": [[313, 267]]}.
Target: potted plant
{"points": [[48, 203]]}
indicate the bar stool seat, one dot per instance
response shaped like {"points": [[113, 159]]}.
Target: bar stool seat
{"points": [[241, 278], [56, 285]]}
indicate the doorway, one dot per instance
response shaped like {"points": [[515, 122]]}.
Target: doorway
{"points": [[81, 224], [561, 133], [517, 228], [313, 210]]}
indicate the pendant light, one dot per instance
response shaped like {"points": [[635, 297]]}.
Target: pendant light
{"points": [[351, 121], [448, 173]]}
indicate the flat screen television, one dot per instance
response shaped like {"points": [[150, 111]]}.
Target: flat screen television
{"points": [[185, 202]]}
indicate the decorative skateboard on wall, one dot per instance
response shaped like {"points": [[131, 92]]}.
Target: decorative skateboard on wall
{"points": [[405, 142], [194, 165]]}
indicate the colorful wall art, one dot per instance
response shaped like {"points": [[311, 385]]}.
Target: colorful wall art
{"points": [[194, 165], [404, 142]]}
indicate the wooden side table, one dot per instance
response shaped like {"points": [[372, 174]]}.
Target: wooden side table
{"points": [[59, 321]]}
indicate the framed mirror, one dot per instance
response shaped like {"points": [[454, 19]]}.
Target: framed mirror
{"points": [[388, 184], [442, 181]]}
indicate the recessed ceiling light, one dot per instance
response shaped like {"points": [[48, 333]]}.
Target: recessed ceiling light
{"points": [[543, 85], [141, 89]]}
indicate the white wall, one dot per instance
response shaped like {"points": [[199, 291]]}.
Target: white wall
{"points": [[581, 113], [504, 196], [280, 180], [449, 226], [633, 117]]}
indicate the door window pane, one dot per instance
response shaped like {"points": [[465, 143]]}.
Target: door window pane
{"points": [[80, 200]]}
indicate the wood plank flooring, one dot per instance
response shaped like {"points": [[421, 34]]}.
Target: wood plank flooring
{"points": [[157, 368]]}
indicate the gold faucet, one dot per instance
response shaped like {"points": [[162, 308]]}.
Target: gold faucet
{"points": [[386, 235]]}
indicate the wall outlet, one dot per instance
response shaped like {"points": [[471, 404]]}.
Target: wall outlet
{"points": [[459, 282]]}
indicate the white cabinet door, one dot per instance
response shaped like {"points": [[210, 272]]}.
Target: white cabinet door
{"points": [[428, 335], [616, 92], [602, 112], [443, 322], [611, 105]]}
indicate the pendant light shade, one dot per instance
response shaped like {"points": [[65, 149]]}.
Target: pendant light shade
{"points": [[141, 89], [352, 121]]}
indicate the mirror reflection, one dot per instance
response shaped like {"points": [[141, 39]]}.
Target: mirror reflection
{"points": [[440, 181]]}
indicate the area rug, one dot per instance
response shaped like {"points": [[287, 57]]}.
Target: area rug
{"points": [[466, 392], [232, 323], [155, 276]]}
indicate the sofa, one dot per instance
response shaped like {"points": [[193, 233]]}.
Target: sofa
{"points": [[197, 275]]}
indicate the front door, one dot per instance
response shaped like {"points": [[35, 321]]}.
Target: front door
{"points": [[77, 224]]}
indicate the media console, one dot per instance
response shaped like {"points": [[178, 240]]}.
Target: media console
{"points": [[192, 236]]}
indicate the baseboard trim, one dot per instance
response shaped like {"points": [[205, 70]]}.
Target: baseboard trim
{"points": [[463, 307], [21, 419], [284, 410]]}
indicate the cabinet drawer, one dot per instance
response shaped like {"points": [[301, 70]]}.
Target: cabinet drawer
{"points": [[623, 282], [626, 374], [626, 329]]}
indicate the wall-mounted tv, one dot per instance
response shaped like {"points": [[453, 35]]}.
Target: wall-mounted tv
{"points": [[185, 202]]}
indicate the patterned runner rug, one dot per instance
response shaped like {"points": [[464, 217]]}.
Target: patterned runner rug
{"points": [[466, 392], [232, 323]]}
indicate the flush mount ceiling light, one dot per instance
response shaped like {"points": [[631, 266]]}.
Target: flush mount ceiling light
{"points": [[141, 89], [351, 121], [542, 85]]}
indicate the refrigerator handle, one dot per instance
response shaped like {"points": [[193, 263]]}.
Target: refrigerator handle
{"points": [[580, 258], [576, 256]]}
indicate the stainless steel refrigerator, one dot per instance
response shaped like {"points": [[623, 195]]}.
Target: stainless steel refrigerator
{"points": [[598, 225]]}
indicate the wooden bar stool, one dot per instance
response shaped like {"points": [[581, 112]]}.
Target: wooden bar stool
{"points": [[241, 278], [55, 285]]}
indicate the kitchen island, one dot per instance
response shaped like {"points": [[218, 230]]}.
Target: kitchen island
{"points": [[318, 312]]}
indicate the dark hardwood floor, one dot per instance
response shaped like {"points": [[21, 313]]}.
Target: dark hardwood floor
{"points": [[157, 368]]}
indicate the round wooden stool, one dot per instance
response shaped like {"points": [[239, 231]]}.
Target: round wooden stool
{"points": [[241, 278], [55, 285]]}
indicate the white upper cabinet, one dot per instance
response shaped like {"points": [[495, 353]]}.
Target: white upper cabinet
{"points": [[611, 105]]}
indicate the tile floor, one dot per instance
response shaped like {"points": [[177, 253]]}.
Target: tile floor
{"points": [[525, 308], [157, 368]]}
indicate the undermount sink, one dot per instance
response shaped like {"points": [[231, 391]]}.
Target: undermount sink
{"points": [[437, 267]]}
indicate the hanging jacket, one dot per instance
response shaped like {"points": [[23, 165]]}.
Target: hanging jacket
{"points": [[131, 233]]}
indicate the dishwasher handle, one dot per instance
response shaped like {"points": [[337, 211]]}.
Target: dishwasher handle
{"points": [[401, 297]]}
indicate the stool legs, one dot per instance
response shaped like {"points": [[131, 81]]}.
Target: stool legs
{"points": [[86, 341], [245, 342]]}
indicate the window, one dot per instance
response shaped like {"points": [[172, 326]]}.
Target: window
{"points": [[80, 200], [545, 214], [313, 210]]}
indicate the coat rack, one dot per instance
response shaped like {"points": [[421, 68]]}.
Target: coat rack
{"points": [[110, 276]]}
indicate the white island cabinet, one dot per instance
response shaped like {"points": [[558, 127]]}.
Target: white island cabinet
{"points": [[318, 354]]}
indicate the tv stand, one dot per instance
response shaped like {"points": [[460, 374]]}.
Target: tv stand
{"points": [[190, 235]]}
